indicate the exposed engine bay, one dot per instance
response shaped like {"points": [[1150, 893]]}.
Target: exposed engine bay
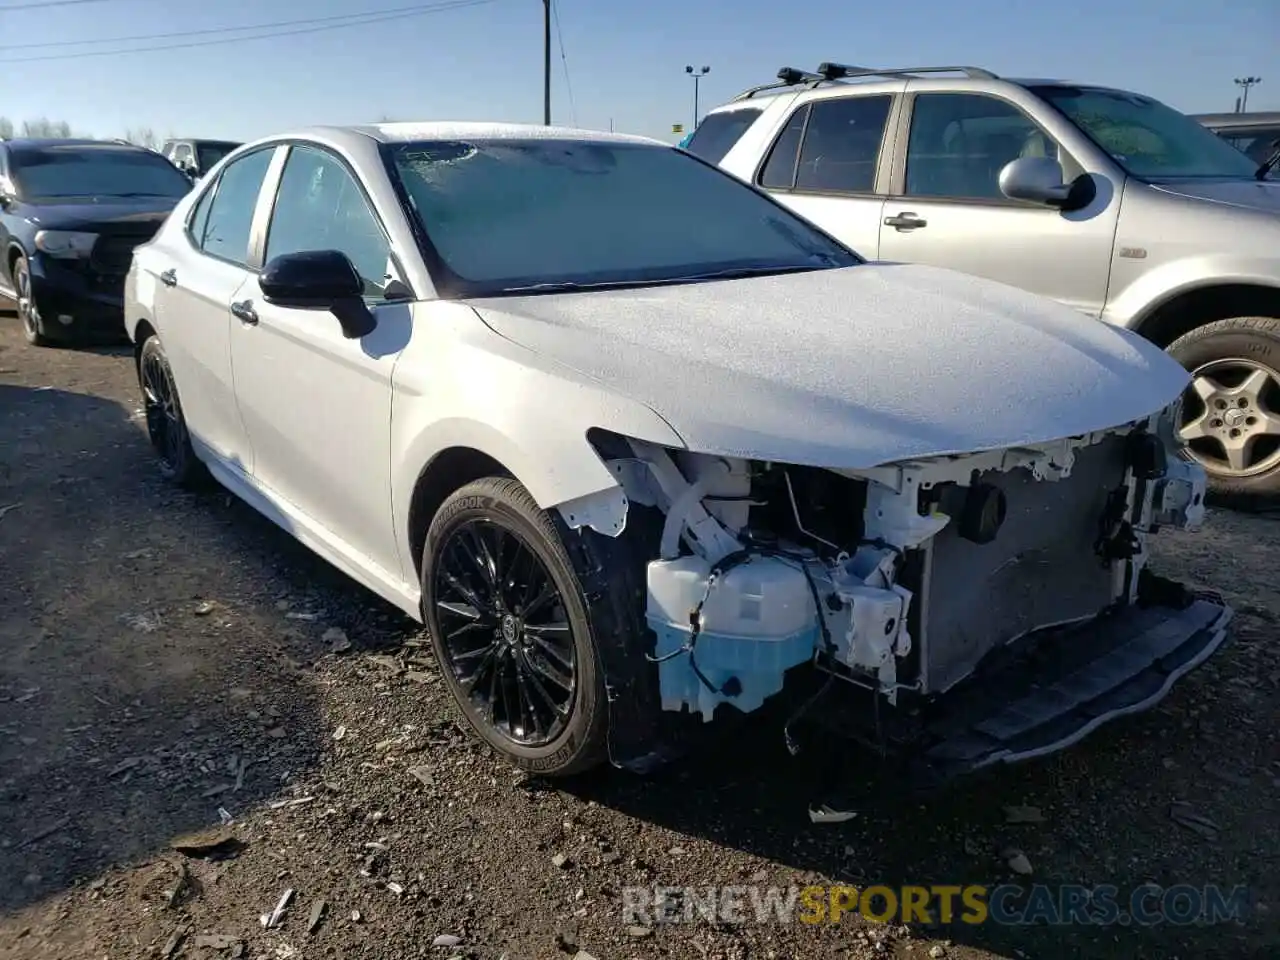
{"points": [[906, 580]]}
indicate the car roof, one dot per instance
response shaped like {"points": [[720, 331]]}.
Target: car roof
{"points": [[891, 82], [45, 143], [1258, 118], [406, 132]]}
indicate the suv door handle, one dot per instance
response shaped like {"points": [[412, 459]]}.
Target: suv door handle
{"points": [[244, 312], [905, 221], [169, 278]]}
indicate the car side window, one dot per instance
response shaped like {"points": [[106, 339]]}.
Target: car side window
{"points": [[199, 219], [779, 171], [841, 147], [182, 154], [319, 206], [230, 217], [959, 143], [718, 132]]}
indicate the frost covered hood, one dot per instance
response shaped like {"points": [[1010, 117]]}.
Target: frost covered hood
{"points": [[850, 367]]}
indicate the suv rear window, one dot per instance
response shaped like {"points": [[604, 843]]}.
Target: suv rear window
{"points": [[718, 132]]}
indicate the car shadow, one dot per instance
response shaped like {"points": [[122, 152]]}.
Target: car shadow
{"points": [[138, 700]]}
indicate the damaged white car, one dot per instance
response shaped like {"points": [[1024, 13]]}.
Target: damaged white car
{"points": [[640, 446]]}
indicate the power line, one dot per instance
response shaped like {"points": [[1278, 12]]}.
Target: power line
{"points": [[43, 4], [139, 38], [318, 27], [568, 85]]}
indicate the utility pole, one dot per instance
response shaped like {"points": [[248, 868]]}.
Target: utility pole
{"points": [[546, 63], [1244, 83], [697, 75]]}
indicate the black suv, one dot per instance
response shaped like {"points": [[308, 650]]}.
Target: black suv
{"points": [[196, 157], [71, 212]]}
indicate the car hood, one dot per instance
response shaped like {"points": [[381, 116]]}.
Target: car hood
{"points": [[126, 215], [849, 367], [1254, 194]]}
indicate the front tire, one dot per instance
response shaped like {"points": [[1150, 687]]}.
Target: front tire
{"points": [[28, 311], [510, 627], [1231, 412], [166, 425]]}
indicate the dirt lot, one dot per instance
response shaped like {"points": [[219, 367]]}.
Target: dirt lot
{"points": [[168, 660]]}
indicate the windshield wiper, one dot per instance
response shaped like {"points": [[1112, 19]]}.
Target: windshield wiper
{"points": [[1268, 164], [730, 274]]}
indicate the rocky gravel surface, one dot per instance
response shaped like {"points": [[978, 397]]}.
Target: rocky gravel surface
{"points": [[214, 745]]}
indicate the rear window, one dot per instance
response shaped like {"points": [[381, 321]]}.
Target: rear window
{"points": [[718, 132]]}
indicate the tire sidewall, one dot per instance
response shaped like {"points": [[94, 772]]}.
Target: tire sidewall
{"points": [[33, 334], [486, 500], [1255, 339], [181, 470]]}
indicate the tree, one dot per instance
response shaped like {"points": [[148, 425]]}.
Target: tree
{"points": [[143, 137], [6, 128], [44, 127]]}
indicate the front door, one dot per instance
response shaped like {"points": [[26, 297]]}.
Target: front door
{"points": [[317, 405], [947, 208]]}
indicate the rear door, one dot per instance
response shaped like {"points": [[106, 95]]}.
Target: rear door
{"points": [[830, 163], [196, 280]]}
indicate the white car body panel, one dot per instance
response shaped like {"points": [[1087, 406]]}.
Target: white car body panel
{"points": [[765, 368], [903, 384]]}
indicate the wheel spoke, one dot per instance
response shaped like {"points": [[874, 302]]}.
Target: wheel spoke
{"points": [[1255, 385], [459, 609], [1205, 388], [1237, 451], [1268, 423], [1197, 429], [539, 665]]}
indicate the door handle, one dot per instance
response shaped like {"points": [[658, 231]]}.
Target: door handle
{"points": [[905, 221], [169, 278], [244, 312]]}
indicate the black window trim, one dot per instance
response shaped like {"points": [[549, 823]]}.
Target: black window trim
{"points": [[1071, 168], [258, 240], [890, 122], [758, 178], [211, 191]]}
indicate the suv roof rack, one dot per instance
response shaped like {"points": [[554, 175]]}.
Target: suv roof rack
{"points": [[844, 71], [787, 77]]}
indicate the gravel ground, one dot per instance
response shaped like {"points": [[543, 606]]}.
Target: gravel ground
{"points": [[169, 661]]}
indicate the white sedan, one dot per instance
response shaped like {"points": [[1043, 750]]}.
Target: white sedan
{"points": [[643, 448]]}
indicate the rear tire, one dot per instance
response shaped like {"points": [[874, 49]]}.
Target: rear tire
{"points": [[511, 629], [1231, 412], [166, 425]]}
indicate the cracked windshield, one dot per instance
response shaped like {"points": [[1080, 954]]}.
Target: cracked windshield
{"points": [[539, 479]]}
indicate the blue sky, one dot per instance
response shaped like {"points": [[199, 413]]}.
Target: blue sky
{"points": [[625, 59]]}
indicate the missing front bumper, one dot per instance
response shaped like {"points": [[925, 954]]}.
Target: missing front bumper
{"points": [[1050, 692]]}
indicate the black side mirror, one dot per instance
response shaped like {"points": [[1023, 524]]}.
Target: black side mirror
{"points": [[319, 280]]}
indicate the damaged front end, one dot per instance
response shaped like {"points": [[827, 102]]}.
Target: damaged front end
{"points": [[965, 610]]}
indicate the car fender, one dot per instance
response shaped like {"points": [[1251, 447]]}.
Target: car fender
{"points": [[1157, 287], [464, 386]]}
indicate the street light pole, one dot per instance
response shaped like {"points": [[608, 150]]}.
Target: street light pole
{"points": [[697, 75], [546, 63], [1245, 83]]}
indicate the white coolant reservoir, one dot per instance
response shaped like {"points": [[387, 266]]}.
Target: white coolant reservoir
{"points": [[758, 621]]}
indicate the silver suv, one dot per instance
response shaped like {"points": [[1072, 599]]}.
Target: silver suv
{"points": [[1105, 200]]}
